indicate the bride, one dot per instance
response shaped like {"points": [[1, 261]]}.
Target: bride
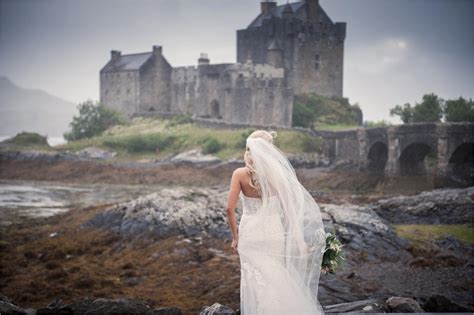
{"points": [[280, 238]]}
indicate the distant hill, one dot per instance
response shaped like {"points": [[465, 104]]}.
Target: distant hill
{"points": [[32, 110]]}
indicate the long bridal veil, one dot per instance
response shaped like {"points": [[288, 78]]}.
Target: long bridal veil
{"points": [[301, 235]]}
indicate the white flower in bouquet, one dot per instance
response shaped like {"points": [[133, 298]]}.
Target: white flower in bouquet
{"points": [[333, 254]]}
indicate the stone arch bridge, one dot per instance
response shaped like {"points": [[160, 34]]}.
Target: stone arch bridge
{"points": [[446, 150]]}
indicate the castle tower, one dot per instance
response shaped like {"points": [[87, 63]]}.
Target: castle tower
{"points": [[311, 45], [312, 7]]}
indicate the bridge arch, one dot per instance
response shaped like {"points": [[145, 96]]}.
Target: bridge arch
{"points": [[413, 157], [377, 158], [461, 164]]}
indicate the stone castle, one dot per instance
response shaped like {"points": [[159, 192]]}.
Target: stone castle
{"points": [[286, 50]]}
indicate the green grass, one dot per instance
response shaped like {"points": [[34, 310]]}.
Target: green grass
{"points": [[378, 123], [28, 141], [426, 232], [335, 127], [28, 138], [312, 109], [141, 138]]}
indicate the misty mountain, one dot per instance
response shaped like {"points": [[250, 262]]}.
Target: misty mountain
{"points": [[32, 110]]}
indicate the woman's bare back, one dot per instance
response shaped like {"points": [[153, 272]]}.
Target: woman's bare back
{"points": [[247, 190]]}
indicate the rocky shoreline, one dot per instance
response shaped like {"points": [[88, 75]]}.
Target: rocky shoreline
{"points": [[191, 157], [199, 210], [177, 238], [393, 304], [191, 212], [440, 206], [157, 244]]}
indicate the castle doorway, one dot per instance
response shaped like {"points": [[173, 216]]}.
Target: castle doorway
{"points": [[215, 109]]}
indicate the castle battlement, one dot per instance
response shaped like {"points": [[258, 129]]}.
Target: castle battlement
{"points": [[184, 74]]}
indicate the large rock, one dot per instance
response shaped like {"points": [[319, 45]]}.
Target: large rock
{"points": [[361, 229], [35, 155], [217, 309], [192, 211], [95, 153], [363, 306], [439, 303], [168, 212], [7, 306], [308, 160], [440, 206], [194, 157], [399, 304]]}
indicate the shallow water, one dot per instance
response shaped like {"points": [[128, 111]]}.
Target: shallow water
{"points": [[35, 199]]}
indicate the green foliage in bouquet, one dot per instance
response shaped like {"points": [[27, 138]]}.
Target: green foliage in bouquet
{"points": [[333, 254]]}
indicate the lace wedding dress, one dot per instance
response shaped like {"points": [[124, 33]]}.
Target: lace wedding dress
{"points": [[271, 279]]}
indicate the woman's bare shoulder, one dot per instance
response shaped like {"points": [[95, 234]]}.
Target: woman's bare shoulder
{"points": [[241, 171]]}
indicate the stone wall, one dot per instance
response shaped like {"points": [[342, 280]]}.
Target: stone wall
{"points": [[234, 93], [184, 82], [260, 102], [155, 84], [121, 91]]}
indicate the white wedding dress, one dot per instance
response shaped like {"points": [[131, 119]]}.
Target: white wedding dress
{"points": [[269, 285]]}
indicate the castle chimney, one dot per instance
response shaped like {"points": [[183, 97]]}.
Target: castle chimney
{"points": [[115, 54], [203, 59], [312, 7], [267, 5], [287, 11], [157, 50]]}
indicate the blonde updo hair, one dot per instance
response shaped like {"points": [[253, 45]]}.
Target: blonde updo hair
{"points": [[266, 135]]}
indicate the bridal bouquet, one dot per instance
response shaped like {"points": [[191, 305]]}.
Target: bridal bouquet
{"points": [[333, 254]]}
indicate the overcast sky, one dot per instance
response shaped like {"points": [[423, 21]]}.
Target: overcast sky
{"points": [[395, 51]]}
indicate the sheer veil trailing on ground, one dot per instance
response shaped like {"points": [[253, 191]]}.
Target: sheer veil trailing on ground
{"points": [[290, 228]]}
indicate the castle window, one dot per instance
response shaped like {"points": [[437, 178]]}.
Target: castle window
{"points": [[215, 110], [118, 91], [128, 91], [106, 92], [317, 62], [129, 75]]}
